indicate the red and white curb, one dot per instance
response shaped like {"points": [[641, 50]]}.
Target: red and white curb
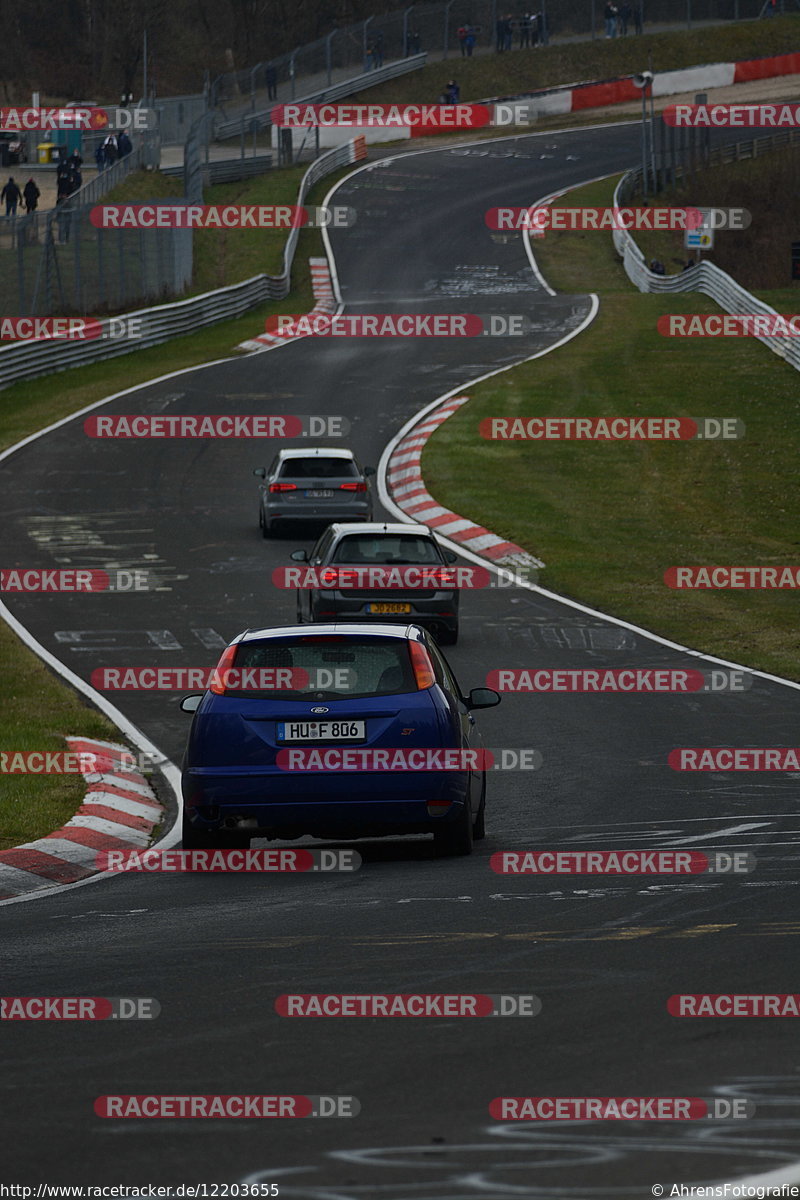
{"points": [[119, 812], [600, 93], [407, 489], [322, 287]]}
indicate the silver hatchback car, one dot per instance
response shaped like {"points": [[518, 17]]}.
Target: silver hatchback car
{"points": [[315, 485]]}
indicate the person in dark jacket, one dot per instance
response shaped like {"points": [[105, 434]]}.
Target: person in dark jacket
{"points": [[31, 194], [12, 196], [124, 144], [100, 157]]}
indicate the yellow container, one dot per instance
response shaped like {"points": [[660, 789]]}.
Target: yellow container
{"points": [[45, 151]]}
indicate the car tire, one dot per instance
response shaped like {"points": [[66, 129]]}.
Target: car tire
{"points": [[448, 637], [455, 839], [479, 828], [265, 529]]}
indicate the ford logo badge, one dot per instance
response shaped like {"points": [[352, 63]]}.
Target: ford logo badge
{"points": [[320, 709]]}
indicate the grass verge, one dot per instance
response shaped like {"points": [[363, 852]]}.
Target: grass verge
{"points": [[609, 518], [563, 63], [38, 708]]}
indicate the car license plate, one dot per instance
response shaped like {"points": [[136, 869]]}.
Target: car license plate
{"points": [[321, 731], [389, 608], [319, 493]]}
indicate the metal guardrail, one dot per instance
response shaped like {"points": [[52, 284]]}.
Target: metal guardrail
{"points": [[229, 169], [27, 360], [705, 278], [347, 87]]}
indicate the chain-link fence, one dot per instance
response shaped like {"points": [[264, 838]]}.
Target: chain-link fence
{"points": [[434, 28], [62, 264], [58, 262]]}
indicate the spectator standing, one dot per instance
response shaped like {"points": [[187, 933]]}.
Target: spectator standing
{"points": [[499, 31], [377, 50], [271, 80], [610, 15], [625, 14], [100, 157], [461, 34], [415, 42], [638, 16], [111, 149], [124, 144], [12, 196], [31, 194], [509, 31]]}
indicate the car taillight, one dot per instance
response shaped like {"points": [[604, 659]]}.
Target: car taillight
{"points": [[422, 666], [283, 487], [217, 685], [353, 487]]}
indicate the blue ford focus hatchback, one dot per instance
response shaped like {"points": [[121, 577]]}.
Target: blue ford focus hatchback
{"points": [[340, 730]]}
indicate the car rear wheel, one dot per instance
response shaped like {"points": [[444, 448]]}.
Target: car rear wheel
{"points": [[479, 828], [455, 838], [265, 529]]}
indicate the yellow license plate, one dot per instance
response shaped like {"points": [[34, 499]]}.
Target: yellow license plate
{"points": [[389, 608]]}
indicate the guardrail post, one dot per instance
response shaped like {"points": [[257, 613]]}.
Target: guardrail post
{"points": [[447, 8], [405, 30], [21, 279], [328, 63]]}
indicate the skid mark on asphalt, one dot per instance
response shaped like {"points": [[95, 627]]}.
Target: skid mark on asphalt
{"points": [[108, 541], [521, 1156]]}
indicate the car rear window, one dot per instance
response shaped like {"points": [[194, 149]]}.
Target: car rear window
{"points": [[386, 548], [318, 468], [336, 666]]}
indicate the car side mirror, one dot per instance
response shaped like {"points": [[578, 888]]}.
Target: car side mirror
{"points": [[261, 472], [482, 698], [191, 703], [299, 555], [369, 471]]}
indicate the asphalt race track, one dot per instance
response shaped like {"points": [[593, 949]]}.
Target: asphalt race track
{"points": [[603, 954]]}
